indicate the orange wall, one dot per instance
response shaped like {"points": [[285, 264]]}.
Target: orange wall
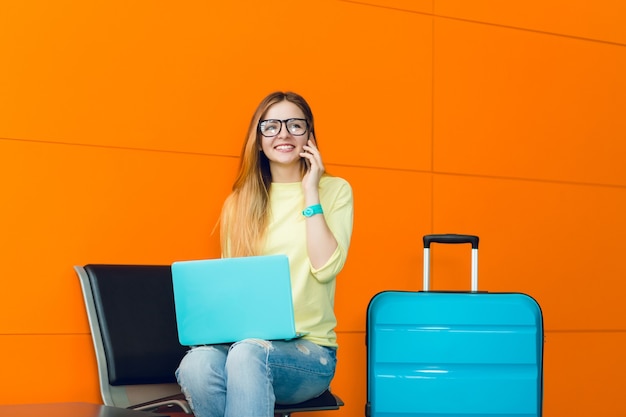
{"points": [[503, 119]]}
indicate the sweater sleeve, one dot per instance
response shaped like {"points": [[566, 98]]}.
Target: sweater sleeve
{"points": [[337, 202]]}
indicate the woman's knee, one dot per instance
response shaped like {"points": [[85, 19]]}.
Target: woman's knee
{"points": [[200, 362], [248, 352]]}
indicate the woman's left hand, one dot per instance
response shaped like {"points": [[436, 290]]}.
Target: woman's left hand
{"points": [[315, 170]]}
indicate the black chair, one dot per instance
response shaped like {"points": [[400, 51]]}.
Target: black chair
{"points": [[133, 326]]}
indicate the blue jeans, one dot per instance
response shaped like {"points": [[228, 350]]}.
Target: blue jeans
{"points": [[246, 379]]}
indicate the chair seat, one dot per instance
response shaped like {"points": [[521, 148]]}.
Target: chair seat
{"points": [[326, 401]]}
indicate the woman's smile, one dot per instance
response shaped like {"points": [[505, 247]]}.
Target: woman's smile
{"points": [[285, 147]]}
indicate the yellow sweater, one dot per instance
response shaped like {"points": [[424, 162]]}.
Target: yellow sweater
{"points": [[313, 289]]}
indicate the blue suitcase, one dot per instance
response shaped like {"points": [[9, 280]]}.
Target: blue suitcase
{"points": [[454, 354]]}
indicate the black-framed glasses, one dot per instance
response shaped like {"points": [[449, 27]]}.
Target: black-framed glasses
{"points": [[272, 127]]}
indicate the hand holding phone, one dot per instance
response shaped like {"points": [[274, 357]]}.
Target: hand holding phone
{"points": [[314, 164]]}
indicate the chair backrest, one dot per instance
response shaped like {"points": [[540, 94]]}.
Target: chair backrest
{"points": [[133, 325]]}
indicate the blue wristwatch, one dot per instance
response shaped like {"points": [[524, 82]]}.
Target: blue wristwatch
{"points": [[312, 210]]}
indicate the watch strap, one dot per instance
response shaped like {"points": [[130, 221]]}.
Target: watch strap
{"points": [[312, 210]]}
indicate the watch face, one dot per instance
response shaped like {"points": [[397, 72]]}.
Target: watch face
{"points": [[312, 210]]}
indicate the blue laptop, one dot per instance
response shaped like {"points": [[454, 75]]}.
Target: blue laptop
{"points": [[230, 299]]}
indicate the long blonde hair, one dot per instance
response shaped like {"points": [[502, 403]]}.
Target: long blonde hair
{"points": [[245, 212]]}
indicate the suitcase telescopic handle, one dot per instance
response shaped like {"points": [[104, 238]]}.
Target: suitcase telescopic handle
{"points": [[451, 238]]}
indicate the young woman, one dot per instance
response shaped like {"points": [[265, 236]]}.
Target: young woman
{"points": [[282, 202]]}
